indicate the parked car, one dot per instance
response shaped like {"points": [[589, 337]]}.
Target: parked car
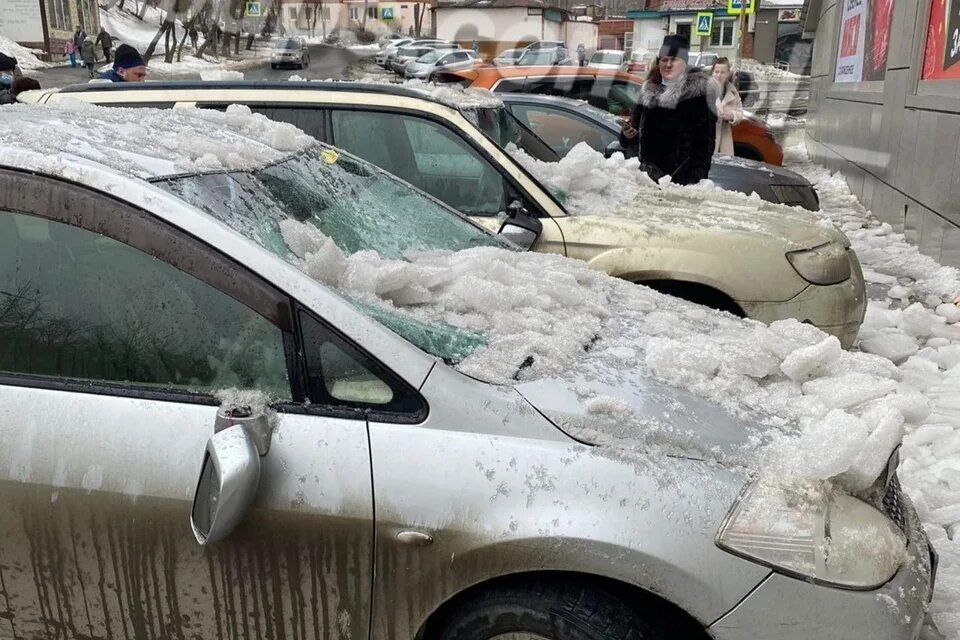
{"points": [[290, 51], [562, 123], [606, 59], [546, 44], [438, 60], [122, 323], [613, 91], [703, 59], [410, 53], [508, 57], [385, 55], [640, 62], [809, 271], [543, 56]]}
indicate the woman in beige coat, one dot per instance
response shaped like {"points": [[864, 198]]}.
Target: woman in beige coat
{"points": [[729, 107]]}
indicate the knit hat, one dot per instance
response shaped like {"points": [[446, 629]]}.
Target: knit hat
{"points": [[126, 57], [7, 63], [675, 46]]}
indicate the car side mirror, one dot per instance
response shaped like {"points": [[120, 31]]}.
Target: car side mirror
{"points": [[230, 474], [612, 148], [520, 228]]}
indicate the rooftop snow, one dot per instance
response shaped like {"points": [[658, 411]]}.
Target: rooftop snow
{"points": [[149, 143]]}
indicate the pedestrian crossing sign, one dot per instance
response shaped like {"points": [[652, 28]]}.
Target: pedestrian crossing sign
{"points": [[253, 10], [386, 13], [737, 7], [704, 24]]}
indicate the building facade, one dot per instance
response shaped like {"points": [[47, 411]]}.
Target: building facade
{"points": [[47, 24], [498, 25], [885, 110], [665, 17]]}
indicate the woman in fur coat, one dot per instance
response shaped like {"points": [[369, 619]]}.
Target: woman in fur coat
{"points": [[674, 122], [729, 107]]}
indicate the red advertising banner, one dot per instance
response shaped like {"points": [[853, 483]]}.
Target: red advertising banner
{"points": [[864, 40], [941, 59]]}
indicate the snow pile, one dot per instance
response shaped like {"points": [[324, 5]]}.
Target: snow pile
{"points": [[150, 142], [762, 71], [589, 184], [912, 324], [221, 74], [27, 59]]}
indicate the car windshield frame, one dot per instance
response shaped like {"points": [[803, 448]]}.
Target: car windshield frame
{"points": [[254, 203], [436, 53], [548, 55]]}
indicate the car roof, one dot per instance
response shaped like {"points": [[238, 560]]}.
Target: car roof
{"points": [[579, 106]]}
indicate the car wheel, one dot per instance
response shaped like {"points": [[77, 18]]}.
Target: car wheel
{"points": [[549, 610], [273, 66]]}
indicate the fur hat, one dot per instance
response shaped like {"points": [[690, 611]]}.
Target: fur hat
{"points": [[126, 57], [675, 46]]}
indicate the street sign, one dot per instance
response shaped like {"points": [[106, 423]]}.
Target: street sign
{"points": [[704, 24], [253, 9], [738, 7], [386, 13]]}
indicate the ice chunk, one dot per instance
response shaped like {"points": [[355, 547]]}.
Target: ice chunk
{"points": [[849, 389], [806, 362], [950, 312], [896, 347], [887, 432]]}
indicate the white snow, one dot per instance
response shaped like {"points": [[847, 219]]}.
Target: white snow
{"points": [[27, 59], [221, 74], [149, 142]]}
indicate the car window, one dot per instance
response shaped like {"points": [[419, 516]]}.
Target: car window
{"points": [[310, 121], [426, 154], [76, 305], [509, 85], [560, 129]]}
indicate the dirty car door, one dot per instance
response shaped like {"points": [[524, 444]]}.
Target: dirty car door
{"points": [[110, 351]]}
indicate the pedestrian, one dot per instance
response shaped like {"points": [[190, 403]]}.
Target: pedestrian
{"points": [[729, 107], [673, 126], [128, 66], [88, 55], [21, 84], [194, 37], [476, 47], [9, 71], [106, 44], [581, 54], [70, 51], [79, 35]]}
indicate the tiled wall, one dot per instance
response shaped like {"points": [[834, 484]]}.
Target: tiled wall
{"points": [[898, 149]]}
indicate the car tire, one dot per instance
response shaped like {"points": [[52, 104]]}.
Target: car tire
{"points": [[274, 67], [551, 610]]}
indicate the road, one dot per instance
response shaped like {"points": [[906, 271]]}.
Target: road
{"points": [[325, 62]]}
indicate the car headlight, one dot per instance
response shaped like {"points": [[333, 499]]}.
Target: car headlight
{"points": [[836, 539], [825, 264]]}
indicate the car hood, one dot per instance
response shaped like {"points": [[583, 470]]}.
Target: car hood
{"points": [[628, 410]]}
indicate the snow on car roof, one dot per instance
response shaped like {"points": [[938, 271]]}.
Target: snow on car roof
{"points": [[148, 143]]}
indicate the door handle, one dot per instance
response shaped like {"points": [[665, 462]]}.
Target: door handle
{"points": [[415, 538]]}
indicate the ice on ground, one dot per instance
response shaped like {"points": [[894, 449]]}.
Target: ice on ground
{"points": [[27, 58], [149, 142]]}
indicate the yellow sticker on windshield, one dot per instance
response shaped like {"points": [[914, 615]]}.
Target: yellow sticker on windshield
{"points": [[329, 156]]}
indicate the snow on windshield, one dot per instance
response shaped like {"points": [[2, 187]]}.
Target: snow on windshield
{"points": [[149, 142]]}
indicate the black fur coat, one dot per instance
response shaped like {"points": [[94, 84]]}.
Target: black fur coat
{"points": [[677, 125]]}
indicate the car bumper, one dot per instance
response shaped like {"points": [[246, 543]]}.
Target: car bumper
{"points": [[418, 73], [397, 68], [783, 608], [837, 309]]}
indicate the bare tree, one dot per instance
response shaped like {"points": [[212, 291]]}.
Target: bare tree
{"points": [[363, 20]]}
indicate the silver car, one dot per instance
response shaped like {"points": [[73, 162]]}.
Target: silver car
{"points": [[437, 61], [378, 493], [606, 59], [508, 57], [389, 50], [290, 51], [544, 57], [406, 55]]}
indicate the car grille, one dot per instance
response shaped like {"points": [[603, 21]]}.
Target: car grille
{"points": [[892, 503]]}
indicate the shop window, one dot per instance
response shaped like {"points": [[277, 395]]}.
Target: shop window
{"points": [[864, 41], [941, 59]]}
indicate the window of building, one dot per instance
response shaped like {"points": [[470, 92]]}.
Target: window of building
{"points": [[61, 15], [722, 35], [628, 41], [354, 13], [372, 13], [292, 13]]}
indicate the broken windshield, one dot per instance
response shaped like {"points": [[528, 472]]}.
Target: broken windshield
{"points": [[357, 206]]}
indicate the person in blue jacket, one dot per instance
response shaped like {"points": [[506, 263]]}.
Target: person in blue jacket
{"points": [[128, 66]]}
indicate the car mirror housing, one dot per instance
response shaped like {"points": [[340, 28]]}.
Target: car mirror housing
{"points": [[612, 148], [520, 228], [228, 483]]}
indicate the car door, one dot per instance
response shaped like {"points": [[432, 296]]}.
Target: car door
{"points": [[561, 129], [459, 60], [116, 332]]}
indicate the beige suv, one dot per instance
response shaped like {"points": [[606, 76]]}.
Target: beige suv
{"points": [[768, 263]]}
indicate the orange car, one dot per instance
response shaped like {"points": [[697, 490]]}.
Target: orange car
{"points": [[613, 91]]}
